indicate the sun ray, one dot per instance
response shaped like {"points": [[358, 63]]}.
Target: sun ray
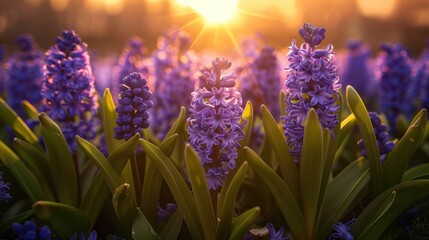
{"points": [[191, 22], [198, 36], [253, 14], [181, 14]]}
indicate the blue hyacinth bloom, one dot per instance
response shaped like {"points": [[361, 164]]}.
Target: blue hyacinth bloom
{"points": [[356, 71], [342, 231], [215, 126], [395, 82], [2, 68], [4, 189], [382, 136], [29, 231], [174, 81], [134, 102], [311, 83], [24, 75], [163, 214], [82, 236], [261, 84], [68, 91]]}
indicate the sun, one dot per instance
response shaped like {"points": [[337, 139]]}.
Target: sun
{"points": [[213, 11]]}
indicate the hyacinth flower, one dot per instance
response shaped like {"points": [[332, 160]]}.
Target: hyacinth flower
{"points": [[342, 231], [2, 68], [267, 232], [29, 231], [311, 83], [132, 60], [261, 85], [163, 214], [4, 189], [356, 71], [82, 236], [68, 91], [24, 74], [395, 82], [173, 72], [214, 125], [380, 130], [133, 116]]}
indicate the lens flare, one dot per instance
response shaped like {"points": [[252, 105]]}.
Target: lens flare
{"points": [[213, 11]]}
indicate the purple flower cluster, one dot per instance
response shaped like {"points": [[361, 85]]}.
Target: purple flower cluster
{"points": [[134, 102], [82, 236], [311, 83], [267, 232], [24, 74], [356, 71], [163, 214], [261, 84], [395, 82], [68, 91], [420, 83], [342, 231], [2, 67], [384, 145], [4, 190], [174, 80], [29, 231], [215, 125]]}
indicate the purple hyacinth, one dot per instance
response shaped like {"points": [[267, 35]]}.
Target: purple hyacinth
{"points": [[4, 189], [163, 214], [395, 82], [384, 145], [311, 83], [134, 102], [82, 236], [24, 74], [267, 232], [29, 231], [2, 68], [261, 84], [215, 125], [68, 91], [174, 80], [420, 82], [342, 231], [356, 70]]}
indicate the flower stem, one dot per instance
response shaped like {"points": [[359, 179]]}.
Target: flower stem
{"points": [[136, 178]]}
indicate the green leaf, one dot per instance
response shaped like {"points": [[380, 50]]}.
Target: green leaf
{"points": [[106, 169], [178, 123], [30, 111], [36, 161], [109, 121], [341, 192], [178, 188], [119, 157], [398, 158], [243, 223], [347, 126], [168, 145], [247, 117], [173, 226], [311, 167], [371, 223], [65, 220], [142, 229], [94, 198], [282, 103], [60, 161], [281, 192], [419, 171], [200, 189], [358, 108], [22, 174], [21, 130], [125, 207], [286, 162], [227, 209]]}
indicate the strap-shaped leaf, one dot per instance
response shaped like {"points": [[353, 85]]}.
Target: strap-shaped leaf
{"points": [[125, 207], [22, 174], [178, 188], [340, 193], [172, 228], [282, 102], [242, 224], [168, 145], [419, 171], [277, 140], [311, 167], [30, 111], [36, 161], [94, 198], [406, 194], [397, 160], [109, 121], [358, 108], [65, 220], [227, 209], [21, 130], [142, 228], [281, 192], [200, 190], [178, 123]]}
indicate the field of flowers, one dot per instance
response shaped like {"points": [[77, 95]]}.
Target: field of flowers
{"points": [[306, 143]]}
